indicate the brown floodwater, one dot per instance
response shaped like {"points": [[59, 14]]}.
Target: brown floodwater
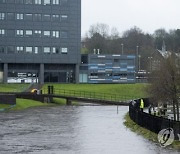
{"points": [[72, 130]]}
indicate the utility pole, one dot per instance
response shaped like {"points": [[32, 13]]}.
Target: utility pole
{"points": [[137, 57], [122, 45]]}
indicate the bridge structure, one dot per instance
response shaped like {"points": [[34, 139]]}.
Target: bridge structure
{"points": [[47, 95], [87, 97]]}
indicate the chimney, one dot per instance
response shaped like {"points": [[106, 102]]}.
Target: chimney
{"points": [[98, 50], [94, 51]]}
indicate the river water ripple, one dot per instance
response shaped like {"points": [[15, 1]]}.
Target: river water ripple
{"points": [[72, 130]]}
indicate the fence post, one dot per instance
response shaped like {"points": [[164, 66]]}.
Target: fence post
{"points": [[49, 90], [52, 89]]}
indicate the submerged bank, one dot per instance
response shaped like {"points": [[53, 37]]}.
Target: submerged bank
{"points": [[22, 104], [146, 133]]}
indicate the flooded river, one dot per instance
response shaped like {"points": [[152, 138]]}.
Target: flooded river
{"points": [[71, 130]]}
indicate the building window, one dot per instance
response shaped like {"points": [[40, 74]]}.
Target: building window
{"points": [[19, 16], [2, 16], [55, 17], [10, 49], [19, 1], [55, 34], [28, 17], [37, 1], [55, 50], [37, 17], [64, 34], [47, 2], [19, 33], [2, 49], [10, 16], [29, 49], [64, 50], [37, 33], [116, 60], [19, 49], [47, 50], [28, 2], [2, 32], [10, 1], [46, 17], [37, 50], [64, 18], [56, 2], [47, 33], [28, 32]]}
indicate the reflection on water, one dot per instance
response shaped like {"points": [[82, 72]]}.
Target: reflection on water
{"points": [[68, 129]]}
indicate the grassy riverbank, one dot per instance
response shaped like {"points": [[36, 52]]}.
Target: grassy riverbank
{"points": [[127, 91], [13, 87], [145, 132], [22, 104], [133, 90], [60, 101]]}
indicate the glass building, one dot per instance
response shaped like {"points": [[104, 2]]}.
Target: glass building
{"points": [[40, 40], [99, 68]]}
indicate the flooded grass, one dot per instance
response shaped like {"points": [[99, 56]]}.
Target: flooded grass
{"points": [[24, 104], [145, 132]]}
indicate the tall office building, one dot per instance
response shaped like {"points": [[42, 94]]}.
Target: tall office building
{"points": [[40, 40]]}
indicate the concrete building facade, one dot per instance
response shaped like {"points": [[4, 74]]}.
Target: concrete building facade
{"points": [[40, 40]]}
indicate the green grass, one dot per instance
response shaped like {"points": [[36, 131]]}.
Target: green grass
{"points": [[13, 87], [127, 90], [4, 106], [60, 101], [145, 132], [25, 103]]}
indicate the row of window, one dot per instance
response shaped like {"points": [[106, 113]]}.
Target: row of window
{"points": [[33, 17], [35, 50], [44, 2], [34, 33]]}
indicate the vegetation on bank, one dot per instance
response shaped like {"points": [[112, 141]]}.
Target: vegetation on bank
{"points": [[60, 101], [145, 132], [22, 104], [13, 87], [132, 90]]}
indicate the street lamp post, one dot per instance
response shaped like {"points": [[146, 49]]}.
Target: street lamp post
{"points": [[122, 45], [150, 63], [139, 62], [137, 55]]}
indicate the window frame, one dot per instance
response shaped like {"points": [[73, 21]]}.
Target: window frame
{"points": [[19, 16], [20, 32], [64, 50]]}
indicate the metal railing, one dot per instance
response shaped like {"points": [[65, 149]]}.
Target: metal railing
{"points": [[90, 95], [152, 122]]}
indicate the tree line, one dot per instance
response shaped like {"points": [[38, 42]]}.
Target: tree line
{"points": [[132, 41]]}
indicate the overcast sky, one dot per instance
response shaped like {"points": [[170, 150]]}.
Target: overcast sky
{"points": [[148, 15]]}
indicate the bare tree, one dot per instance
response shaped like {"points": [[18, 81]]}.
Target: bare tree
{"points": [[99, 28], [165, 83]]}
